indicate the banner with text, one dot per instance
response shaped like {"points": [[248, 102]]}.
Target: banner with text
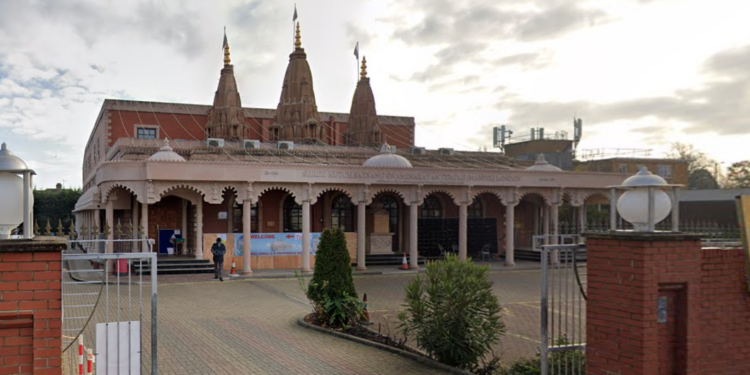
{"points": [[270, 244]]}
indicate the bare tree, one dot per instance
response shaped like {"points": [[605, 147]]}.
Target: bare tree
{"points": [[702, 170]]}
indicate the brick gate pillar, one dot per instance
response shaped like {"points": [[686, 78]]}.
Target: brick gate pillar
{"points": [[643, 308]]}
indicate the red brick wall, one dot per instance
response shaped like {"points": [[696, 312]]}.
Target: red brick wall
{"points": [[708, 315], [30, 310], [192, 127]]}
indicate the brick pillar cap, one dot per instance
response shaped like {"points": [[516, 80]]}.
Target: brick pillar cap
{"points": [[643, 236], [34, 245]]}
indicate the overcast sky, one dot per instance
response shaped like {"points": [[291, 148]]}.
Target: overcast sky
{"points": [[641, 74]]}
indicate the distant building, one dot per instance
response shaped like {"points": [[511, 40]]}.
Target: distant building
{"points": [[675, 171]]}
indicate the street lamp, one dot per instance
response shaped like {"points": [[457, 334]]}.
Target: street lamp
{"points": [[16, 206], [645, 202]]}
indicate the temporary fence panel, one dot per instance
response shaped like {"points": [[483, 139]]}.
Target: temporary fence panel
{"points": [[563, 310], [103, 302]]}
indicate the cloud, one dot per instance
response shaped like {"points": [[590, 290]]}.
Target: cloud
{"points": [[720, 106], [556, 21]]}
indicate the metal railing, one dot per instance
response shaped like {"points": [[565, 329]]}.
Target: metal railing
{"points": [[563, 310], [104, 308]]}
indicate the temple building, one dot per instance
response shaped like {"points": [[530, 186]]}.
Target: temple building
{"points": [[268, 181]]}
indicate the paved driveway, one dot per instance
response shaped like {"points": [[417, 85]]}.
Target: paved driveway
{"points": [[249, 327]]}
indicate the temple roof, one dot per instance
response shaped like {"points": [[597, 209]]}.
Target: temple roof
{"points": [[541, 164], [297, 118], [363, 127], [226, 119]]}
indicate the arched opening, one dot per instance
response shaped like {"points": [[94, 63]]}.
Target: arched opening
{"points": [[431, 208], [390, 203], [292, 214], [342, 212], [476, 209]]}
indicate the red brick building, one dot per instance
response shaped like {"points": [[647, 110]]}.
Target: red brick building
{"points": [[231, 171]]}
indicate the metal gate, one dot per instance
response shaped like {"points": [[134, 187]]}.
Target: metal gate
{"points": [[107, 316], [563, 309]]}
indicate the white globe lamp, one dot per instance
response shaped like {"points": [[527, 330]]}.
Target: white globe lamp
{"points": [[644, 202], [16, 205]]}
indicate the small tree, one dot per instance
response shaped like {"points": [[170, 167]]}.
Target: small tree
{"points": [[738, 175], [453, 314], [331, 290]]}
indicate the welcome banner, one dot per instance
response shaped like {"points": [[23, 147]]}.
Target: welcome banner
{"points": [[272, 244]]}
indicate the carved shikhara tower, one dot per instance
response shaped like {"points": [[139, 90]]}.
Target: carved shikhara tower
{"points": [[297, 117], [225, 118], [363, 128]]}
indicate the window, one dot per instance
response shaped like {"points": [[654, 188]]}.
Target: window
{"points": [[143, 132], [431, 208], [664, 171], [390, 204], [623, 168], [292, 215], [237, 218], [475, 209], [341, 213]]}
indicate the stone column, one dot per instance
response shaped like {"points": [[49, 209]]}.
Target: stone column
{"points": [[199, 229], [462, 240], [361, 206], [510, 221], [582, 218], [144, 223], [306, 237], [545, 224], [97, 223], [135, 225], [184, 227], [413, 253], [555, 217], [246, 221], [110, 218]]}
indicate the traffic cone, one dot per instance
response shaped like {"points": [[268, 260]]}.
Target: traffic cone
{"points": [[364, 310], [234, 267], [404, 264]]}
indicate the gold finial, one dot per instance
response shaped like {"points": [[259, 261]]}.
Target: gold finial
{"points": [[297, 38], [227, 59], [363, 72]]}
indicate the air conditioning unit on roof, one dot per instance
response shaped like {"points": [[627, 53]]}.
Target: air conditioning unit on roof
{"points": [[417, 150], [446, 151], [285, 145], [215, 142], [251, 144]]}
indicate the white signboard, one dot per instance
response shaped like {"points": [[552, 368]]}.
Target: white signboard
{"points": [[118, 348]]}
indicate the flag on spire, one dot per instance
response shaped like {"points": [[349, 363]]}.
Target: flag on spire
{"points": [[356, 50], [294, 18], [224, 46]]}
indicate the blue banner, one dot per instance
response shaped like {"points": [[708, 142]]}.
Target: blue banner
{"points": [[271, 244]]}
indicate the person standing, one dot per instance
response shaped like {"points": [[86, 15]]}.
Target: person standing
{"points": [[218, 250]]}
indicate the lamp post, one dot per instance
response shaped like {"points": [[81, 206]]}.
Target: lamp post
{"points": [[645, 201], [17, 205]]}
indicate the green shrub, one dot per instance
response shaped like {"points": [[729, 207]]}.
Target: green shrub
{"points": [[331, 290], [453, 314], [524, 366], [566, 362]]}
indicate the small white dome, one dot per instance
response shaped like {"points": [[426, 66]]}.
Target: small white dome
{"points": [[166, 154], [387, 159], [542, 165]]}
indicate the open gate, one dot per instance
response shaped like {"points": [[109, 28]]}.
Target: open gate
{"points": [[563, 309], [108, 311]]}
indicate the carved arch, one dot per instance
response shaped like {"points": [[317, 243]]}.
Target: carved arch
{"points": [[322, 189], [107, 187], [591, 193], [545, 194], [477, 192], [161, 189], [375, 190], [455, 196]]}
